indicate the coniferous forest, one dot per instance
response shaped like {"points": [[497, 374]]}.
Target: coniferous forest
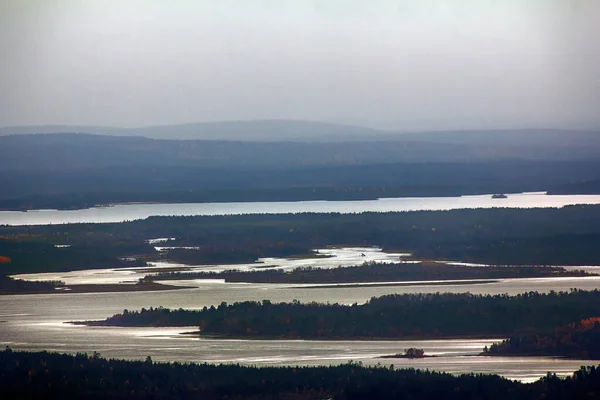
{"points": [[53, 375]]}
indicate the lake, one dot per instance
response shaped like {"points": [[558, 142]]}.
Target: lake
{"points": [[36, 322], [128, 212]]}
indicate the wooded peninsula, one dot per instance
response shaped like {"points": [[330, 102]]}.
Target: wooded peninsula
{"points": [[374, 272], [392, 317]]}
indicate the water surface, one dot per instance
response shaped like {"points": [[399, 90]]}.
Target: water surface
{"points": [[128, 212], [37, 322], [166, 344]]}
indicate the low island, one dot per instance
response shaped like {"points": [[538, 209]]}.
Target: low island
{"points": [[375, 272], [409, 353], [406, 316]]}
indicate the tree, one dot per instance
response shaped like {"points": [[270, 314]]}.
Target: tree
{"points": [[414, 353]]}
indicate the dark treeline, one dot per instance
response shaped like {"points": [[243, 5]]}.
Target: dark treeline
{"points": [[565, 236], [9, 285], [225, 255], [392, 316], [38, 254], [578, 340], [51, 375], [374, 272], [305, 193]]}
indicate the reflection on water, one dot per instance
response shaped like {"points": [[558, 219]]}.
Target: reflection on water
{"points": [[455, 356], [128, 212], [334, 257], [70, 306], [35, 322]]}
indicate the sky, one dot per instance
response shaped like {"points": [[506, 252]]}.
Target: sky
{"points": [[393, 64]]}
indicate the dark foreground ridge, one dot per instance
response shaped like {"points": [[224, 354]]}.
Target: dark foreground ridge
{"points": [[52, 375], [392, 316]]}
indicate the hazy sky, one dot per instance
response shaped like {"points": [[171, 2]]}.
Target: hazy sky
{"points": [[416, 64]]}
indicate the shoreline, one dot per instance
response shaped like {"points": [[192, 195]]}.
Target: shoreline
{"points": [[402, 356], [558, 356], [241, 200], [392, 284], [327, 339], [382, 196], [103, 288]]}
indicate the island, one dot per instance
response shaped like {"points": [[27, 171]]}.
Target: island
{"points": [[409, 353], [399, 316], [11, 286], [375, 272]]}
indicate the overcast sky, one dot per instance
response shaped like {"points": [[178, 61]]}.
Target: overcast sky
{"points": [[419, 64]]}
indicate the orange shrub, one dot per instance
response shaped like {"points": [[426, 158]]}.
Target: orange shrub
{"points": [[589, 323]]}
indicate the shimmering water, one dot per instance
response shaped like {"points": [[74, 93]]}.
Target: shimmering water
{"points": [[333, 258], [36, 322], [127, 212], [455, 356]]}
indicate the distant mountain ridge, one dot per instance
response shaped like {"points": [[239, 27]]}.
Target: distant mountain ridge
{"points": [[280, 130], [253, 130]]}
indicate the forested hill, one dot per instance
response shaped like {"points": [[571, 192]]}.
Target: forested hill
{"points": [[273, 130], [76, 150], [81, 170], [72, 150], [69, 187], [282, 130]]}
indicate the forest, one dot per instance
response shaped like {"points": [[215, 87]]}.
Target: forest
{"points": [[108, 170], [565, 236], [391, 316], [54, 375], [578, 340], [374, 272], [9, 285]]}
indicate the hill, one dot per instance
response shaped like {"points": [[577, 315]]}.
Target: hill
{"points": [[281, 130], [256, 130], [107, 168], [72, 150]]}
